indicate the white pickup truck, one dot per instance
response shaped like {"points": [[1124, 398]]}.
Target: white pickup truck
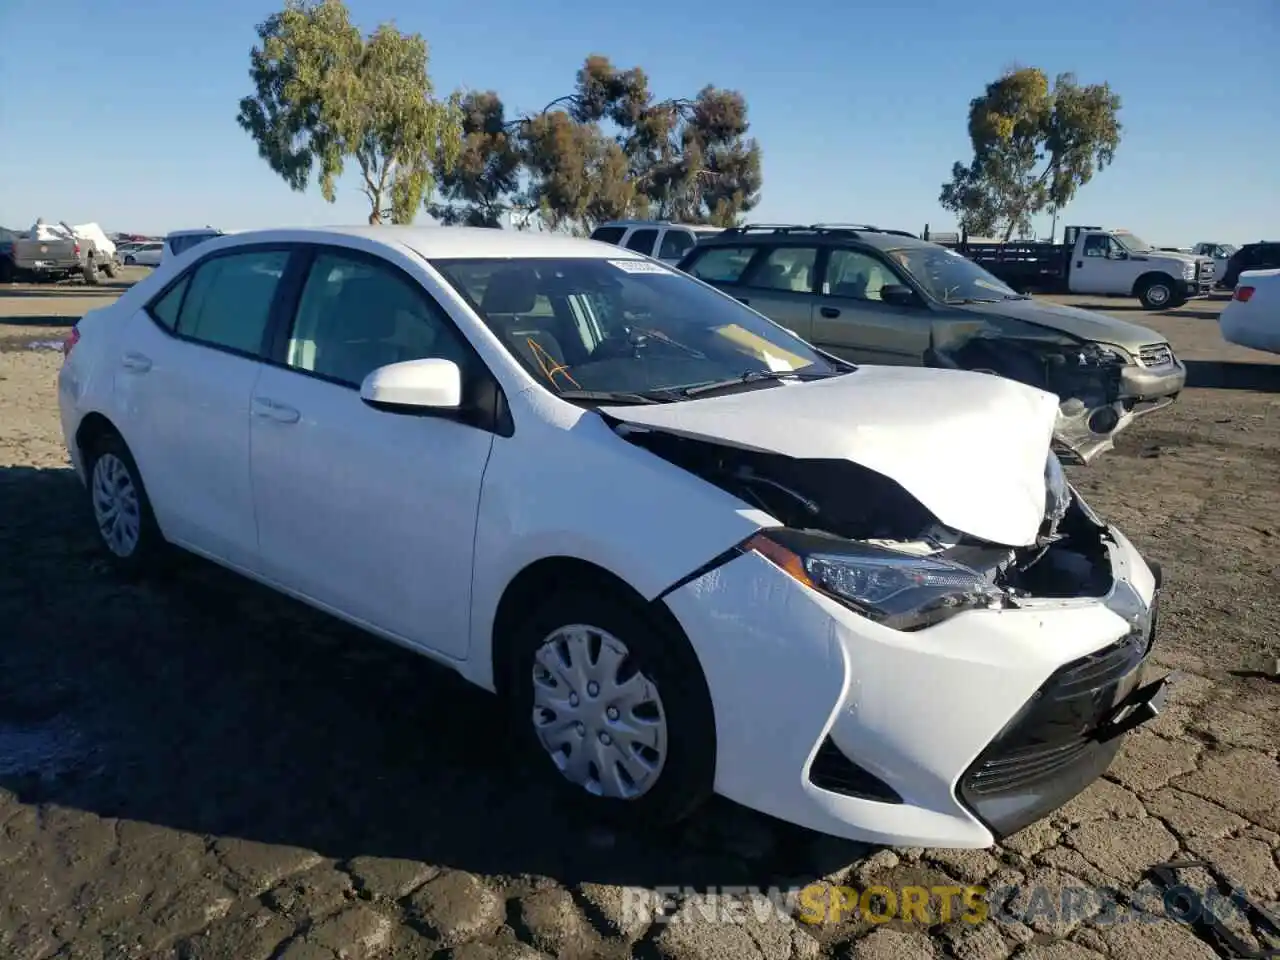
{"points": [[1091, 260]]}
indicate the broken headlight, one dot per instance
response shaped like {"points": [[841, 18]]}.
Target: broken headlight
{"points": [[896, 590], [1096, 355], [1057, 492]]}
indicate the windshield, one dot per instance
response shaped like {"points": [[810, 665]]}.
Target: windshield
{"points": [[1133, 244], [624, 326], [951, 277]]}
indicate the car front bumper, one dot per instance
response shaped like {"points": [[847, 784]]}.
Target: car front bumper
{"points": [[952, 736], [1141, 384], [1195, 289]]}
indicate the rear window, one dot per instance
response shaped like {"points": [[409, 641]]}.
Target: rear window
{"points": [[609, 234]]}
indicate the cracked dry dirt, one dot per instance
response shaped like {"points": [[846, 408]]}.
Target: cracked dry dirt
{"points": [[194, 768]]}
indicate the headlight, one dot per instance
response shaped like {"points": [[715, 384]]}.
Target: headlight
{"points": [[1188, 271], [896, 590], [1097, 355]]}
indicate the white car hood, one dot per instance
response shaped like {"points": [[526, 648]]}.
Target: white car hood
{"points": [[971, 447]]}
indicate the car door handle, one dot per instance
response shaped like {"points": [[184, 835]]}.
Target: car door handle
{"points": [[136, 361], [270, 410], [829, 312]]}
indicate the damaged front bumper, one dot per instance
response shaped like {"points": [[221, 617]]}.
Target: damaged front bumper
{"points": [[1088, 422], [950, 736]]}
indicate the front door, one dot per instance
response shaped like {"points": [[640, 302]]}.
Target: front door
{"points": [[369, 513], [185, 375], [853, 322], [1102, 266]]}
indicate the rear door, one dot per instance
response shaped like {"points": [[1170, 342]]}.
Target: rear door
{"points": [[642, 240], [781, 284], [853, 322]]}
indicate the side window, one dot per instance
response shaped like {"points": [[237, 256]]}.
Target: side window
{"points": [[164, 309], [1096, 245], [722, 264], [229, 299], [786, 268], [675, 243], [1115, 249], [857, 275], [356, 316], [642, 241], [609, 234]]}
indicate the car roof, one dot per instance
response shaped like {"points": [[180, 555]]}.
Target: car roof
{"points": [[760, 235], [447, 243]]}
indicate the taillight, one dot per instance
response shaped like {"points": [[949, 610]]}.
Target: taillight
{"points": [[1242, 294], [77, 250], [72, 339]]}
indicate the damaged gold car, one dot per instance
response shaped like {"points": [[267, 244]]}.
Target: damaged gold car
{"points": [[877, 296]]}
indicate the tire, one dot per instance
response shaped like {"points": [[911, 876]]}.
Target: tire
{"points": [[109, 466], [130, 260], [91, 274], [112, 269], [684, 775], [1157, 293]]}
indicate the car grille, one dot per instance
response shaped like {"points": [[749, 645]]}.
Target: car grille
{"points": [[1206, 269], [1156, 355]]}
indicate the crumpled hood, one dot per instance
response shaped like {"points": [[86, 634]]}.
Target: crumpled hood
{"points": [[1084, 324], [971, 447]]}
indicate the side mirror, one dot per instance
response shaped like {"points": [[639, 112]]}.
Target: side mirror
{"points": [[414, 386], [899, 295]]}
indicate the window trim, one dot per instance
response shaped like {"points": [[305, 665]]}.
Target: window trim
{"points": [[484, 403], [187, 274]]}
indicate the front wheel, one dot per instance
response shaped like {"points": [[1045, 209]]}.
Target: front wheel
{"points": [[611, 704], [121, 509], [111, 269], [1157, 294]]}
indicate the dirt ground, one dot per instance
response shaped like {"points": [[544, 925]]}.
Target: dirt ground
{"points": [[196, 768]]}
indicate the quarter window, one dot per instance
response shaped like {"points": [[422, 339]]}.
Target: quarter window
{"points": [[356, 316], [642, 241], [164, 309], [229, 299], [722, 264], [786, 268]]}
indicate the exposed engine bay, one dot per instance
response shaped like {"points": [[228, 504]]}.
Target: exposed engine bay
{"points": [[842, 499]]}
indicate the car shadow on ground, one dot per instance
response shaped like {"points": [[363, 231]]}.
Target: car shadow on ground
{"points": [[65, 290], [42, 321], [1126, 306], [1234, 375], [204, 703]]}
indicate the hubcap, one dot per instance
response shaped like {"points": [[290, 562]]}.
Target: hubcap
{"points": [[115, 505], [1158, 294], [600, 720]]}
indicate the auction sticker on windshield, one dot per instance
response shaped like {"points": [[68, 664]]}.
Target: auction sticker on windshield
{"points": [[640, 266]]}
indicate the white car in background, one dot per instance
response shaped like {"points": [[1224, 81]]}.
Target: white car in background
{"points": [[689, 553], [1252, 317], [144, 255], [179, 242]]}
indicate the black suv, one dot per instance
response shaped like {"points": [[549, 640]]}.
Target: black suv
{"points": [[886, 297], [1263, 255]]}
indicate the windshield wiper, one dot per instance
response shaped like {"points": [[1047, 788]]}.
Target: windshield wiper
{"points": [[609, 396], [751, 376]]}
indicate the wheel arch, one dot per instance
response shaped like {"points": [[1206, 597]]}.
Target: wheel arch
{"points": [[1152, 276], [94, 426]]}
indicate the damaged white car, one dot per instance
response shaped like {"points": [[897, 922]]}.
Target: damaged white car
{"points": [[690, 553]]}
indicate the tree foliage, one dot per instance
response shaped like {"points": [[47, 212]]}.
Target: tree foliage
{"points": [[607, 150], [1033, 147], [324, 95]]}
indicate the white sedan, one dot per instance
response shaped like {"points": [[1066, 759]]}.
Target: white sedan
{"points": [[689, 553], [1252, 317], [144, 255]]}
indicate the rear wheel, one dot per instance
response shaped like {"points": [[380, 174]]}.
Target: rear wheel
{"points": [[121, 510], [611, 706], [90, 273], [111, 269]]}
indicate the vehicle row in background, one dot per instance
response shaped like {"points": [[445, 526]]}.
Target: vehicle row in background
{"points": [[56, 251], [1092, 260], [876, 296], [660, 239]]}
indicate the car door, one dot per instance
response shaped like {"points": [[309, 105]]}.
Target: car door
{"points": [[853, 322], [184, 378], [1103, 267], [780, 283], [371, 514]]}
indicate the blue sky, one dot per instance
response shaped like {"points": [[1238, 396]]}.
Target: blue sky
{"points": [[124, 113]]}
